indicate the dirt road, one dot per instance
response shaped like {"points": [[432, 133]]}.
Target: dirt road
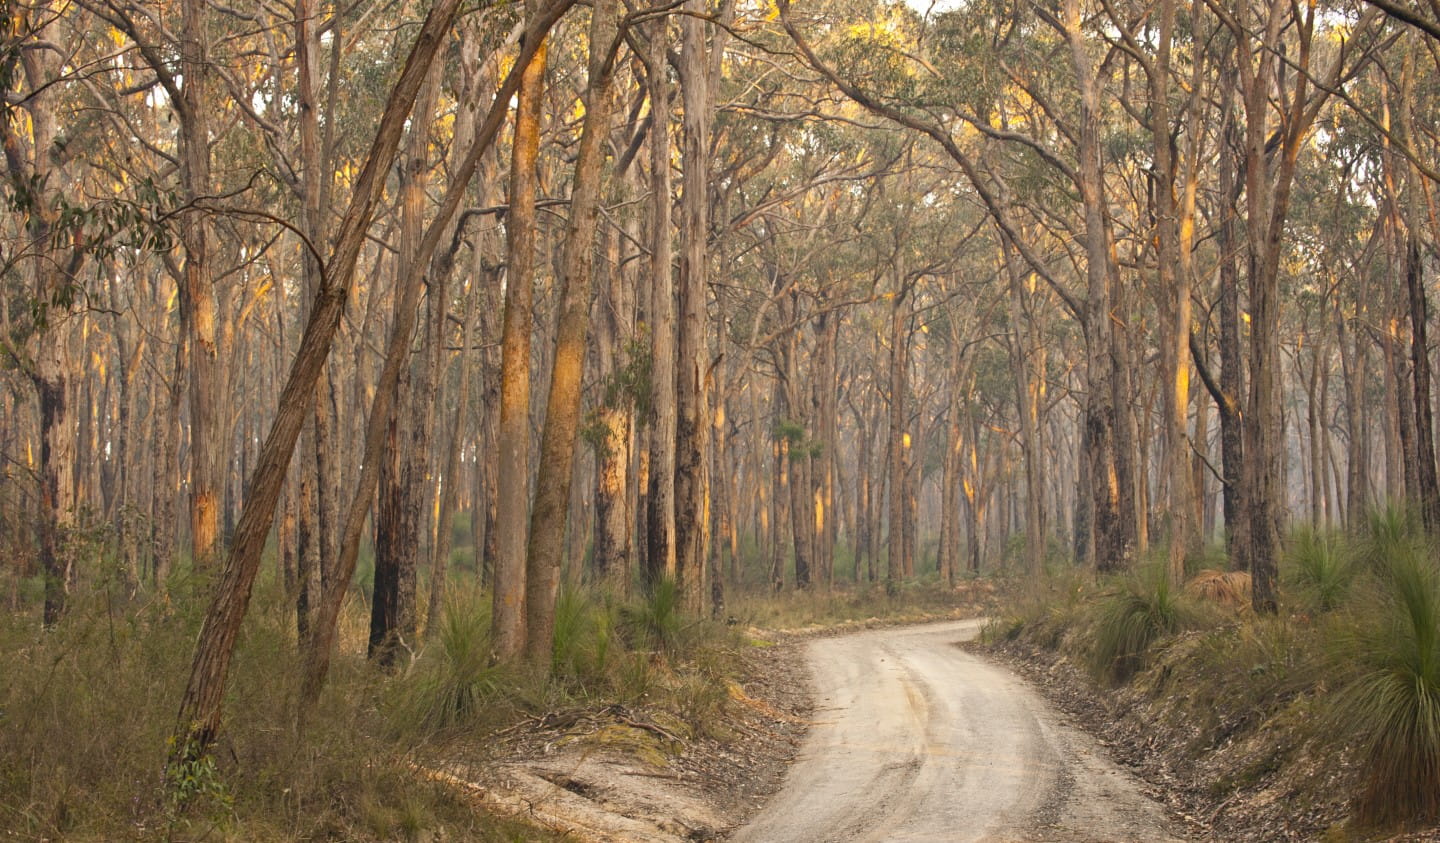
{"points": [[916, 739]]}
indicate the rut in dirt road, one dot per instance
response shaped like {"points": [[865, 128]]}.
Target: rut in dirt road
{"points": [[916, 739]]}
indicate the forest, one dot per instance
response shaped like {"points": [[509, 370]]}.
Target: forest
{"points": [[342, 314]]}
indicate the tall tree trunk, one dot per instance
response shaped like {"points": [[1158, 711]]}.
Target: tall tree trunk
{"points": [[513, 469], [562, 414], [1353, 365], [1028, 413], [199, 308], [1429, 486], [1106, 473], [405, 462], [692, 399], [780, 495], [899, 438], [450, 480], [200, 706], [1173, 226], [50, 275], [614, 327], [660, 517]]}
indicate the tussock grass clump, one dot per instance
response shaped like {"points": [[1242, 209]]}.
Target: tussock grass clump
{"points": [[1390, 533], [1320, 568], [1141, 609], [654, 622], [1390, 650], [584, 640], [454, 678]]}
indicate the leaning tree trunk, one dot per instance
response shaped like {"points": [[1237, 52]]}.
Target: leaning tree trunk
{"points": [[201, 705]]}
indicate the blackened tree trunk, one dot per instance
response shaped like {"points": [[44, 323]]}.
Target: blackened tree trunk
{"points": [[407, 453], [198, 721], [1420, 371]]}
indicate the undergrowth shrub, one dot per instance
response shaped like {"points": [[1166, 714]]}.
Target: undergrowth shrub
{"points": [[1390, 652], [1141, 608]]}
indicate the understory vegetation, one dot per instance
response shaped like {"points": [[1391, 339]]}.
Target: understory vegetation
{"points": [[87, 710], [1323, 720]]}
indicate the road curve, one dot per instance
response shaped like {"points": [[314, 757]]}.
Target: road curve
{"points": [[916, 739]]}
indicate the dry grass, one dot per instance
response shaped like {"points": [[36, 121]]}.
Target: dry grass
{"points": [[1230, 589], [86, 711]]}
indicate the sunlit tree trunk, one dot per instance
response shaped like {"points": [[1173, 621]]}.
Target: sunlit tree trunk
{"points": [[512, 493], [199, 307], [562, 408]]}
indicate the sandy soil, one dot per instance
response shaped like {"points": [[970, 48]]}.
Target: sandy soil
{"points": [[916, 739]]}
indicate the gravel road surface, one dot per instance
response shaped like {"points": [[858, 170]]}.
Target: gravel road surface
{"points": [[916, 739]]}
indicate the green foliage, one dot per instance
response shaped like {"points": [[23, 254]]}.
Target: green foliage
{"points": [[193, 780], [1320, 568], [789, 430], [105, 230], [450, 687], [1141, 609], [801, 445], [628, 387], [584, 636], [1390, 650], [654, 621]]}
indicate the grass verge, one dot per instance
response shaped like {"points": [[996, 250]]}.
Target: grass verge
{"points": [[1323, 721]]}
